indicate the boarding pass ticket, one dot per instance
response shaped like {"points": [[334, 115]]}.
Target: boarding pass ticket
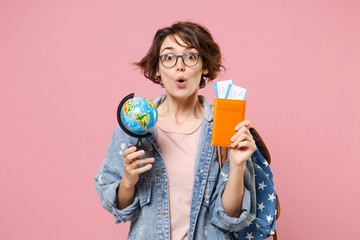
{"points": [[227, 90]]}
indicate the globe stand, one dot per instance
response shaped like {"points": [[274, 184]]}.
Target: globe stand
{"points": [[139, 145]]}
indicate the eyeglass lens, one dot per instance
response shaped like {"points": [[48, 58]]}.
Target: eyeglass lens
{"points": [[189, 59]]}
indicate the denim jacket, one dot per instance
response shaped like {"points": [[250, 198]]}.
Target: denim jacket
{"points": [[149, 212]]}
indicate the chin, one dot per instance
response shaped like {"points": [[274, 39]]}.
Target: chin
{"points": [[184, 94]]}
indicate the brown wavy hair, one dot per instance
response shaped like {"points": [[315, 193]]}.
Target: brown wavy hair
{"points": [[192, 34]]}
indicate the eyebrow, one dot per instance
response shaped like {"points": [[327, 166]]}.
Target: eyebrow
{"points": [[171, 48]]}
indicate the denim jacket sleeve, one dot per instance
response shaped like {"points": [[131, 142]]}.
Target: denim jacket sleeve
{"points": [[108, 177], [219, 217]]}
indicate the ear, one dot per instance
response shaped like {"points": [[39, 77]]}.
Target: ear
{"points": [[158, 72], [205, 71]]}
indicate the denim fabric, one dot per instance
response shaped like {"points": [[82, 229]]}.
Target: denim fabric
{"points": [[149, 212]]}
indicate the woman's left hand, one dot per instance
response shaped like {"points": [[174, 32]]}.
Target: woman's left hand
{"points": [[242, 144]]}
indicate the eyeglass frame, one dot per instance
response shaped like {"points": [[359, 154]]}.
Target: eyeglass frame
{"points": [[182, 57]]}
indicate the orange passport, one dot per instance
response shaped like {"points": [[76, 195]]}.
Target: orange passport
{"points": [[227, 114]]}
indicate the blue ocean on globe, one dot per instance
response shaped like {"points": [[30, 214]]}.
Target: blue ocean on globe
{"points": [[139, 115]]}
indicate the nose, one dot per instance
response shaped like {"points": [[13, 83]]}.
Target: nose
{"points": [[180, 66]]}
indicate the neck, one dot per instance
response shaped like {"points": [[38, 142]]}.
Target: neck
{"points": [[181, 110]]}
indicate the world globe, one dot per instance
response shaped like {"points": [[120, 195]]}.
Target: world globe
{"points": [[139, 115]]}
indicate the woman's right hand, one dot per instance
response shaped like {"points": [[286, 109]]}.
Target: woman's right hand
{"points": [[132, 162]]}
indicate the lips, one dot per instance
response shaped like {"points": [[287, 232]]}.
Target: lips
{"points": [[180, 79], [181, 82]]}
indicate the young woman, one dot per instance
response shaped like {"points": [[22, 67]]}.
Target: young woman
{"points": [[178, 190]]}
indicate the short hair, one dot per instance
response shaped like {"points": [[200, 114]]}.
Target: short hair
{"points": [[192, 34]]}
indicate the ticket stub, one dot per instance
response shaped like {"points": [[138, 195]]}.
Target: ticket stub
{"points": [[222, 87], [235, 92]]}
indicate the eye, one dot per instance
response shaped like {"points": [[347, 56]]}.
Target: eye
{"points": [[191, 56], [168, 57]]}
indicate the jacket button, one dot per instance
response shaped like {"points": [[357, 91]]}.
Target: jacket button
{"points": [[162, 213]]}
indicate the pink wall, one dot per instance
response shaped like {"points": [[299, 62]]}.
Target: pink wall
{"points": [[64, 66]]}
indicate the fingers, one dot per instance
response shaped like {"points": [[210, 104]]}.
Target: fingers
{"points": [[137, 163], [143, 169], [244, 145], [243, 136], [133, 162], [245, 123], [242, 132], [131, 154], [241, 129], [127, 152]]}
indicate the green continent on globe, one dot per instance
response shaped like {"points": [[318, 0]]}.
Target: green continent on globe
{"points": [[143, 119], [128, 107], [152, 105]]}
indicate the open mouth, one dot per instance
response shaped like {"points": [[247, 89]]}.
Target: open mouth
{"points": [[181, 82]]}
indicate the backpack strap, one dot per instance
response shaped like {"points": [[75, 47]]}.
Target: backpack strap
{"points": [[260, 144], [222, 155]]}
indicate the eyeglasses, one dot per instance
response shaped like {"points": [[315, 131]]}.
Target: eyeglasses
{"points": [[169, 60]]}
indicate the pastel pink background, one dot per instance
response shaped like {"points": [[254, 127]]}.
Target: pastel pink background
{"points": [[65, 65]]}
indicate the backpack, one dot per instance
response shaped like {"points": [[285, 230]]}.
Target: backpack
{"points": [[268, 205]]}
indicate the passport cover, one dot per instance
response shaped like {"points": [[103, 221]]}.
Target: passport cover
{"points": [[227, 114]]}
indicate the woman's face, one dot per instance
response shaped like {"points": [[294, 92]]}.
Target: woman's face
{"points": [[180, 81]]}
